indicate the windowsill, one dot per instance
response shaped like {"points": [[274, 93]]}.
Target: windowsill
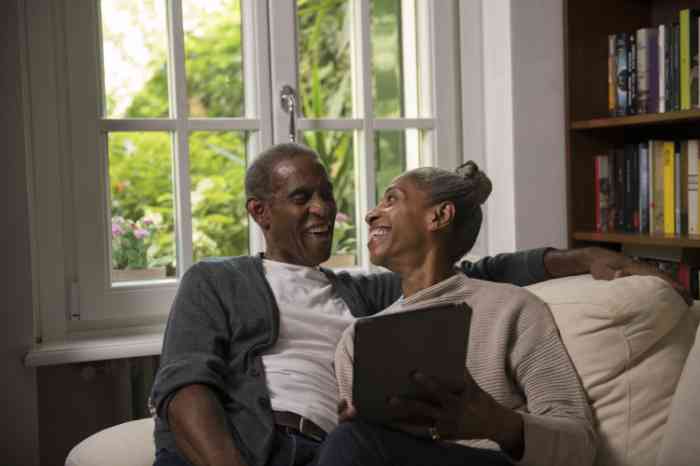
{"points": [[96, 348]]}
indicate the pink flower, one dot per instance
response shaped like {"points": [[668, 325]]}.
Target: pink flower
{"points": [[147, 221], [140, 233], [117, 230], [342, 218]]}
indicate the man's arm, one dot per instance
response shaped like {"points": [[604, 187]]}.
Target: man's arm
{"points": [[189, 385], [603, 264], [197, 419]]}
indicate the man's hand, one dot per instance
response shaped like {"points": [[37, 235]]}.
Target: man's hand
{"points": [[346, 411], [604, 264], [468, 414]]}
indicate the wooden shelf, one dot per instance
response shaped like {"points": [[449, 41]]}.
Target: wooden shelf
{"points": [[647, 119], [680, 241]]}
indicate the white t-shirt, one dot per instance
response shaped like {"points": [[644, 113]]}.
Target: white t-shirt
{"points": [[299, 367]]}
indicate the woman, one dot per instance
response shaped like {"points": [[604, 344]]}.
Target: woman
{"points": [[522, 400]]}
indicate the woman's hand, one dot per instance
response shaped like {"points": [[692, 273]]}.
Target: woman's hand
{"points": [[467, 414], [346, 411]]}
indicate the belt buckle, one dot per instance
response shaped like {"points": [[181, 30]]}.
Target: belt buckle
{"points": [[303, 422]]}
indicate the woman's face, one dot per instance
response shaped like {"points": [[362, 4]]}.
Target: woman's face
{"points": [[398, 225]]}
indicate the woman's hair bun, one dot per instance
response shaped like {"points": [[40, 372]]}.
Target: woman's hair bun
{"points": [[479, 185]]}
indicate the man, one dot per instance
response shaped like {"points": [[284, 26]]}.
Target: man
{"points": [[246, 372]]}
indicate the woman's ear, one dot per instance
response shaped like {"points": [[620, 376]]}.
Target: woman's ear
{"points": [[442, 215], [260, 211]]}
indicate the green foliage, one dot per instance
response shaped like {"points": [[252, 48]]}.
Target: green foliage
{"points": [[141, 164]]}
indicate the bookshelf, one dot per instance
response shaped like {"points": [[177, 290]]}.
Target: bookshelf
{"points": [[590, 129]]}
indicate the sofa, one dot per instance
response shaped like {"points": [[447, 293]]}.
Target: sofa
{"points": [[633, 343]]}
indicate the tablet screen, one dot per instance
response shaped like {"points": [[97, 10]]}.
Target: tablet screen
{"points": [[390, 347]]}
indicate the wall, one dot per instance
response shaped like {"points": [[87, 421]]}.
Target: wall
{"points": [[519, 70], [18, 392]]}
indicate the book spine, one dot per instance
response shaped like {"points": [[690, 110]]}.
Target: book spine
{"points": [[631, 202], [669, 194], [612, 76], [643, 188], [693, 52], [642, 71], [693, 186], [677, 176], [598, 216], [657, 180], [676, 66], [632, 74], [612, 194], [653, 70], [661, 60], [635, 226], [685, 58], [684, 187], [621, 67], [620, 196]]}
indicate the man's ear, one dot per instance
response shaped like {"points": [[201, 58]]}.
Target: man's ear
{"points": [[260, 211], [441, 215]]}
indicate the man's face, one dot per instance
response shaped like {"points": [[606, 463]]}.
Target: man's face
{"points": [[398, 225], [301, 213]]}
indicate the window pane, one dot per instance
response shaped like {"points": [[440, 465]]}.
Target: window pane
{"points": [[134, 50], [140, 178], [336, 151], [390, 159], [219, 217], [387, 57], [324, 58], [214, 58]]}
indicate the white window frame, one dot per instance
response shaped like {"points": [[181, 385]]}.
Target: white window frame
{"points": [[63, 125]]}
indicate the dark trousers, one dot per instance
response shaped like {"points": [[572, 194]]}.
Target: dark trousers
{"points": [[357, 443]]}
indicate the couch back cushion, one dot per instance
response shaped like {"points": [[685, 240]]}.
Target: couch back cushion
{"points": [[628, 339]]}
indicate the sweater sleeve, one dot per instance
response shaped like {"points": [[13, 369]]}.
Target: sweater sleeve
{"points": [[195, 341], [343, 364], [558, 425], [518, 268]]}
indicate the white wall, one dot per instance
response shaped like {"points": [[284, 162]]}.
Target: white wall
{"points": [[519, 70], [18, 392]]}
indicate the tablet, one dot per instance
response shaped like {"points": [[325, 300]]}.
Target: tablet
{"points": [[390, 347]]}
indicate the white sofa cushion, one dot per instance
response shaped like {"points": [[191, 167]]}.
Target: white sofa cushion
{"points": [[628, 339], [130, 443], [680, 446]]}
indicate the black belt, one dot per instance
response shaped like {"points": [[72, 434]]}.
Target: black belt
{"points": [[299, 424]]}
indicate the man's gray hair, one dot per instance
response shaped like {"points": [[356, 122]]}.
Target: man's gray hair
{"points": [[467, 188], [258, 177]]}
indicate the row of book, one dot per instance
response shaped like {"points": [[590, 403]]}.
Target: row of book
{"points": [[650, 187], [655, 69], [673, 262]]}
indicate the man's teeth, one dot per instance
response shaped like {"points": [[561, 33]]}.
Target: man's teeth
{"points": [[323, 229], [376, 232]]}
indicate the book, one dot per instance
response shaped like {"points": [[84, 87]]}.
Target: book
{"points": [[620, 189], [682, 148], [632, 92], [612, 76], [669, 192], [688, 20], [693, 227], [631, 212], [677, 176], [662, 61], [675, 67], [644, 188], [656, 196], [647, 70], [622, 78], [602, 192]]}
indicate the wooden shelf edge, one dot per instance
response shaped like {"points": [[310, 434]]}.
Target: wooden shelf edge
{"points": [[637, 120], [679, 241]]}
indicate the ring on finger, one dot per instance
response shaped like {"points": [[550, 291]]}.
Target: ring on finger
{"points": [[433, 433]]}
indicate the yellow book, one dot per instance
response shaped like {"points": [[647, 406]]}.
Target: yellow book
{"points": [[656, 178], [669, 194], [685, 63]]}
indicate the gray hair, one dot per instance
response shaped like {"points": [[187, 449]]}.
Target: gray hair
{"points": [[467, 188], [258, 177]]}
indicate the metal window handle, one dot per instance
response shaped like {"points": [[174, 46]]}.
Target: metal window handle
{"points": [[288, 99]]}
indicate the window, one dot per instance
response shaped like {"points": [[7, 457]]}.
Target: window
{"points": [[167, 101]]}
